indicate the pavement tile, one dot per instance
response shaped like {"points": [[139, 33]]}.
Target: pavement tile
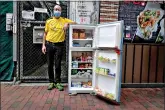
{"points": [[39, 98]]}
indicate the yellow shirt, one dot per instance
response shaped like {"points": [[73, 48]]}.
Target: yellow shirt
{"points": [[54, 29]]}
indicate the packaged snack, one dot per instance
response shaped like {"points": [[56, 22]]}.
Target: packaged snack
{"points": [[106, 71], [82, 36], [89, 83], [75, 35], [113, 60], [86, 66], [101, 71], [90, 66], [97, 70], [75, 64], [83, 57]]}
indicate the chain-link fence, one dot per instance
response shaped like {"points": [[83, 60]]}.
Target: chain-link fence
{"points": [[32, 63]]}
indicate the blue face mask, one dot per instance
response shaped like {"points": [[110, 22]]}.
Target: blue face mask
{"points": [[57, 13]]}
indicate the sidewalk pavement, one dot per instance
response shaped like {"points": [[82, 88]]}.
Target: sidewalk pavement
{"points": [[15, 97]]}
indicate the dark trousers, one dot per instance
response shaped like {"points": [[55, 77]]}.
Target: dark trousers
{"points": [[54, 55]]}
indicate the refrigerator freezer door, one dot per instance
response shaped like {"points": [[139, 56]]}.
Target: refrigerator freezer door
{"points": [[109, 35], [107, 74]]}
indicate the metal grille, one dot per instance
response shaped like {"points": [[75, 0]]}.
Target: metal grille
{"points": [[32, 62], [32, 55]]}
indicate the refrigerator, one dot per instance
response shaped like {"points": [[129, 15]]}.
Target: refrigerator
{"points": [[95, 59]]}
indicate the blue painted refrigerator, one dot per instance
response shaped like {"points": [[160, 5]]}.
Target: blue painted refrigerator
{"points": [[95, 59]]}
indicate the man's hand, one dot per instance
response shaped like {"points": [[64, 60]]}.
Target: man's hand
{"points": [[43, 49], [66, 25]]}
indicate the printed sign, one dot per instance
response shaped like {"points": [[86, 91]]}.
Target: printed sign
{"points": [[41, 10], [144, 21], [28, 15], [150, 23], [85, 11]]}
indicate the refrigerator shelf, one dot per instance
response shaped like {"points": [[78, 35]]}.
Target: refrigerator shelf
{"points": [[81, 49], [82, 88], [82, 61], [106, 75], [81, 39], [81, 78], [81, 68]]}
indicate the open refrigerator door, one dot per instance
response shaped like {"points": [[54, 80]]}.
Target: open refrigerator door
{"points": [[108, 61], [109, 35]]}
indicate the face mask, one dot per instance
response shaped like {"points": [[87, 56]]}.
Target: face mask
{"points": [[57, 13]]}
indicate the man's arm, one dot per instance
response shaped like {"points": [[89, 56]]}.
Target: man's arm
{"points": [[44, 39], [72, 23], [43, 43], [68, 22]]}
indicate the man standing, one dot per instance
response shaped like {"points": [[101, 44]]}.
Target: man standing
{"points": [[53, 44]]}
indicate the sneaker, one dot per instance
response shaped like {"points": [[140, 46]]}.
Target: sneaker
{"points": [[51, 86], [59, 87]]}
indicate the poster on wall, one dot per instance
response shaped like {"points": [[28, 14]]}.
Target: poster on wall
{"points": [[84, 12], [128, 11], [144, 21], [150, 24]]}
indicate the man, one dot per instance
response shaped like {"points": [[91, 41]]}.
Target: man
{"points": [[53, 44]]}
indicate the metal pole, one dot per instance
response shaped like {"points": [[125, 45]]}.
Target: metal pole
{"points": [[15, 41]]}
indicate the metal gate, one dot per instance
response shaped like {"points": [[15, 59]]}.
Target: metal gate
{"points": [[31, 62]]}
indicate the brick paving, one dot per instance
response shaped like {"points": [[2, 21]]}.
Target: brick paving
{"points": [[15, 97]]}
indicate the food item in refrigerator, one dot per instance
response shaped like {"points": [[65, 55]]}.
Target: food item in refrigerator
{"points": [[89, 83], [79, 84], [90, 65], [113, 60], [83, 57], [88, 57], [78, 59], [73, 58], [76, 84], [88, 45], [81, 66], [97, 70], [105, 59], [74, 72], [85, 84], [107, 71], [109, 96], [82, 35], [76, 44], [73, 84], [101, 71], [101, 58], [111, 74], [75, 64], [75, 35], [98, 90], [86, 66]]}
